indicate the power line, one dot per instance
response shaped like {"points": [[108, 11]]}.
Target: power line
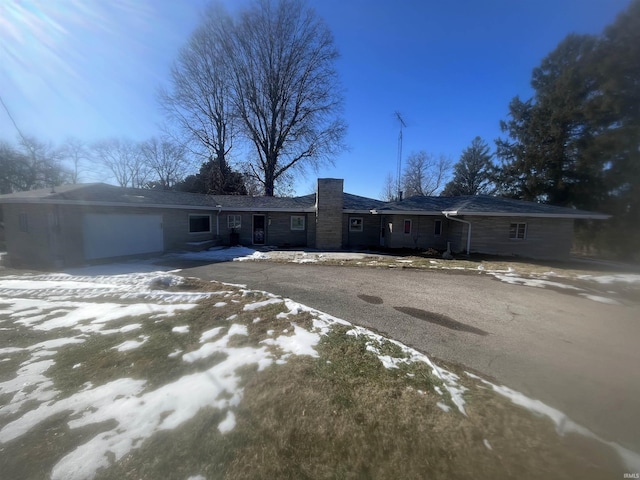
{"points": [[6, 109]]}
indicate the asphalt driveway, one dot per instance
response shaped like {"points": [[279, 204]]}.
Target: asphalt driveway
{"points": [[574, 354]]}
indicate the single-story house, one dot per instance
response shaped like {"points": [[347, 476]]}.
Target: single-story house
{"points": [[76, 224]]}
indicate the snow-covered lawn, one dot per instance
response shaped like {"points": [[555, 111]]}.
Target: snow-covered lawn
{"points": [[123, 358]]}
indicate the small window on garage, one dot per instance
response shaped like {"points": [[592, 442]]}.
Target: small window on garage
{"points": [[297, 222], [407, 226], [517, 231], [199, 223], [437, 228], [355, 224], [23, 219], [234, 221]]}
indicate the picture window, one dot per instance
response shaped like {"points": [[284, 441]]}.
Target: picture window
{"points": [[199, 223]]}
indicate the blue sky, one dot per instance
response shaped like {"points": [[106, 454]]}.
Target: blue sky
{"points": [[91, 69]]}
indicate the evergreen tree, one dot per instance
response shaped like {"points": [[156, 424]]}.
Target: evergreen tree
{"points": [[471, 175], [577, 141], [212, 180]]}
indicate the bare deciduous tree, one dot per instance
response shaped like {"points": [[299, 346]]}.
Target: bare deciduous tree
{"points": [[75, 151], [123, 158], [274, 64], [41, 166], [424, 174], [389, 190], [199, 100], [166, 160], [285, 87]]}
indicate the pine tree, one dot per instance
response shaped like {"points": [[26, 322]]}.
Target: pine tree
{"points": [[472, 173]]}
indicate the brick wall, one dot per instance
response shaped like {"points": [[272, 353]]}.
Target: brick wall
{"points": [[329, 202], [546, 238], [368, 237]]}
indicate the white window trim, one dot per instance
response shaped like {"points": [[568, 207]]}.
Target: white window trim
{"points": [[404, 222], [297, 228], [351, 229], [232, 224], [517, 224], [199, 215]]}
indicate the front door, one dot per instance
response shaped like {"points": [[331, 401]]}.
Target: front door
{"points": [[259, 230]]}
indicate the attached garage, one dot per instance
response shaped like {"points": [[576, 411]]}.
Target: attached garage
{"points": [[108, 235]]}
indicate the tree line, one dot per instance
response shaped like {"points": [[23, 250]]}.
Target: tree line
{"points": [[31, 163], [574, 143], [260, 83]]}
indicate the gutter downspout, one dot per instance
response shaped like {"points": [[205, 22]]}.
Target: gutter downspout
{"points": [[218, 222], [448, 216]]}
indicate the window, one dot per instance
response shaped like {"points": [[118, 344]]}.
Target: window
{"points": [[437, 228], [23, 219], [297, 222], [355, 224], [234, 221], [518, 231], [407, 226], [199, 223]]}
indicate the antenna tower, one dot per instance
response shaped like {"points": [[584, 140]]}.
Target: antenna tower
{"points": [[399, 171]]}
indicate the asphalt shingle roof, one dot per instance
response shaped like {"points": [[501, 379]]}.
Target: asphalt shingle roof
{"points": [[463, 205], [103, 193], [484, 205]]}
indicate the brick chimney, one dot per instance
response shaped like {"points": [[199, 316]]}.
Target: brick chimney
{"points": [[329, 201]]}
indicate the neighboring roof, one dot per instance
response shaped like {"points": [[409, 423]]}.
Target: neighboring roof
{"points": [[470, 205], [484, 205]]}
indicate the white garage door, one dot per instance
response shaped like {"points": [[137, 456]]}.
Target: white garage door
{"points": [[115, 235]]}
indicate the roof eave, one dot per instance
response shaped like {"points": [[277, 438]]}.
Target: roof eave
{"points": [[588, 216], [41, 201]]}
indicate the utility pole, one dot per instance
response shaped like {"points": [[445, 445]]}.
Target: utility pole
{"points": [[399, 171]]}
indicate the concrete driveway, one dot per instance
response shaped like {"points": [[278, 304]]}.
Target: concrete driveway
{"points": [[574, 354]]}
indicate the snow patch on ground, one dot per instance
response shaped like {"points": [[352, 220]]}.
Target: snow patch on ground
{"points": [[563, 423], [515, 279], [600, 299], [628, 278], [86, 304]]}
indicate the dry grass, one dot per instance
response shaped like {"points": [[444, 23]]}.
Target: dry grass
{"points": [[340, 415]]}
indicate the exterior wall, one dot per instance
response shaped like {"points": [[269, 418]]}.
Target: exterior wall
{"points": [[31, 248], [368, 237], [175, 223], [329, 202], [279, 231], [546, 238], [311, 230], [278, 228], [422, 232]]}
